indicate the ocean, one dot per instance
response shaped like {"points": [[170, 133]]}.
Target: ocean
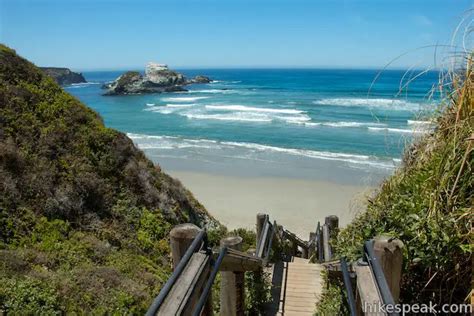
{"points": [[328, 124]]}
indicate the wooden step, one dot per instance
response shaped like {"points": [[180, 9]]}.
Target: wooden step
{"points": [[301, 288]]}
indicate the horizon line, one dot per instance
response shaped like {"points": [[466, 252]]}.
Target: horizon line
{"points": [[254, 67]]}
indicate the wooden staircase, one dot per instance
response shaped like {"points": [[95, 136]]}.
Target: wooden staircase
{"points": [[296, 287], [297, 284]]}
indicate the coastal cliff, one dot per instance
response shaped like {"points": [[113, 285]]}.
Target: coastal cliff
{"points": [[84, 215], [63, 76], [158, 78]]}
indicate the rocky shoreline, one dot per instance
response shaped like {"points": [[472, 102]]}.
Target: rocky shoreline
{"points": [[158, 78], [64, 76]]}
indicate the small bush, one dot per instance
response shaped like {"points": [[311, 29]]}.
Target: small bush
{"points": [[28, 297]]}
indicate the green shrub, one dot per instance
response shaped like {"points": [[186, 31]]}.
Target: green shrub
{"points": [[84, 215], [28, 297], [427, 204]]}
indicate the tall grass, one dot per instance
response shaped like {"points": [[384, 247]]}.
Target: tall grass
{"points": [[428, 204]]}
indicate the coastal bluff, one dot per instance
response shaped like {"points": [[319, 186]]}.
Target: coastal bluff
{"points": [[63, 76], [158, 78]]}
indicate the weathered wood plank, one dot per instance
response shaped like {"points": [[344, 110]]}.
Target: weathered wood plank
{"points": [[232, 283], [367, 293], [186, 289], [303, 287], [240, 261], [326, 246], [389, 251]]}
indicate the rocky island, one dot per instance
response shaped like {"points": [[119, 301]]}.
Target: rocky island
{"points": [[158, 78], [63, 76]]}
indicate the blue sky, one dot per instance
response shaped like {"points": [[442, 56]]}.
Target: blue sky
{"points": [[113, 34]]}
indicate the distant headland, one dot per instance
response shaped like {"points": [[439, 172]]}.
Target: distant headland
{"points": [[158, 78], [63, 76]]}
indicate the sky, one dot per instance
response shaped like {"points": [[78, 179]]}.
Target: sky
{"points": [[118, 34]]}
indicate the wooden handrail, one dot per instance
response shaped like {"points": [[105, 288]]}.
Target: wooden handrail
{"points": [[348, 285], [181, 267], [207, 288], [300, 242], [189, 286], [240, 261]]}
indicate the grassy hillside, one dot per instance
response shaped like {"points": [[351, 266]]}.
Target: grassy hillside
{"points": [[84, 215], [428, 204]]}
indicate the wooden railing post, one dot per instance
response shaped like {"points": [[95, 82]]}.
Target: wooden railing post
{"points": [[333, 223], [260, 222], [389, 252], [326, 247], [304, 252], [330, 227], [312, 242], [181, 237], [232, 284]]}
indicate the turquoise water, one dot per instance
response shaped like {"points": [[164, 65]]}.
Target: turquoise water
{"points": [[278, 122]]}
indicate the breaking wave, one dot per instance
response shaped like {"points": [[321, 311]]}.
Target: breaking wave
{"points": [[243, 108], [399, 130], [183, 99], [392, 104], [254, 151]]}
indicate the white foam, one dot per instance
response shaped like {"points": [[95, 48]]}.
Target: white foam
{"points": [[236, 113], [352, 124], [249, 114], [300, 119], [223, 91], [312, 124], [255, 150], [184, 99], [80, 85], [224, 81], [393, 104], [84, 83], [325, 155], [143, 136], [243, 108], [150, 104], [185, 105], [413, 122], [398, 130], [230, 117], [343, 124]]}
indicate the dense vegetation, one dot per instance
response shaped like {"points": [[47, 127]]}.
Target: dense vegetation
{"points": [[427, 204], [84, 215]]}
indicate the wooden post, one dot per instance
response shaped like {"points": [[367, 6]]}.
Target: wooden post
{"points": [[312, 243], [181, 237], [260, 222], [389, 252], [330, 227], [326, 247], [333, 223], [232, 284], [304, 252], [367, 296]]}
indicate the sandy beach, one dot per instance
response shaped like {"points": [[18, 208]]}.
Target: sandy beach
{"points": [[295, 203]]}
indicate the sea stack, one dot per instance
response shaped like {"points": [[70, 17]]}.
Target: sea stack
{"points": [[158, 78]]}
